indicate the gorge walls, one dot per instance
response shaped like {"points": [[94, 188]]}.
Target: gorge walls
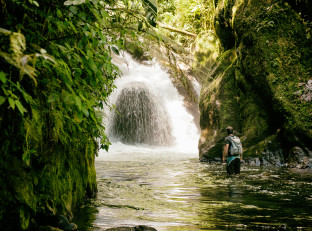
{"points": [[260, 83], [42, 187]]}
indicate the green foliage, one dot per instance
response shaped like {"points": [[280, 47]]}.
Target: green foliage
{"points": [[194, 16], [56, 75], [66, 52]]}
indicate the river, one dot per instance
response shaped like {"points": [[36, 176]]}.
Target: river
{"points": [[163, 185], [171, 190]]}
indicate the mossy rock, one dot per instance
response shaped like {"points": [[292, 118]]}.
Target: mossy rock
{"points": [[274, 55], [137, 51], [223, 23], [269, 151], [229, 100], [267, 76], [206, 51], [54, 180]]}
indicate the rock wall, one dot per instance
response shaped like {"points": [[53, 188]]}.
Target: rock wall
{"points": [[43, 186], [260, 83]]}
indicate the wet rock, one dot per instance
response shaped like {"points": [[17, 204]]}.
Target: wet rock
{"points": [[65, 225], [136, 228], [298, 158], [282, 228], [274, 158], [253, 161], [48, 228]]}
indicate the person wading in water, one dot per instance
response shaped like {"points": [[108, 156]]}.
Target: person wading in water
{"points": [[234, 151]]}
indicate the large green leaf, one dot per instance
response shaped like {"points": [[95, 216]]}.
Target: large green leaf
{"points": [[12, 103], [2, 100], [20, 107], [2, 77]]}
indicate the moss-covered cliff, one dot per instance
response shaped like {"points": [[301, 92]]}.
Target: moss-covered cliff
{"points": [[41, 186], [55, 75], [261, 82]]}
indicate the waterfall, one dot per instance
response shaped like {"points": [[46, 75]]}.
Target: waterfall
{"points": [[150, 111], [141, 117]]}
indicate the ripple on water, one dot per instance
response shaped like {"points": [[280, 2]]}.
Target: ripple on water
{"points": [[182, 194]]}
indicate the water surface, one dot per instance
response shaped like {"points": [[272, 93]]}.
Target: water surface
{"points": [[172, 190]]}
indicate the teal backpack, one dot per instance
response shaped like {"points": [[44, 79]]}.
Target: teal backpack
{"points": [[236, 146]]}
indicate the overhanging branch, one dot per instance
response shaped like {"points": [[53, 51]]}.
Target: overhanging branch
{"points": [[176, 30]]}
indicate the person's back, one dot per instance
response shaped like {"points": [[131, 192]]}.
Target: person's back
{"points": [[234, 152]]}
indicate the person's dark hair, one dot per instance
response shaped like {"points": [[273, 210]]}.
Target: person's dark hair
{"points": [[229, 130]]}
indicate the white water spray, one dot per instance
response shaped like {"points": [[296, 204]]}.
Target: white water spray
{"points": [[157, 81]]}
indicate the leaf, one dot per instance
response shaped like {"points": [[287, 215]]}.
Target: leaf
{"points": [[78, 101], [12, 103], [71, 99], [105, 144], [5, 91], [2, 77], [93, 116], [97, 15], [116, 51], [78, 116], [84, 110], [140, 26], [82, 96], [59, 13], [52, 97], [2, 100], [73, 9], [78, 73], [72, 26], [20, 107], [26, 158], [78, 2], [13, 95], [70, 88], [36, 3], [27, 97]]}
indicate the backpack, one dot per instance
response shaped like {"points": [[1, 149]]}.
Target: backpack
{"points": [[236, 146]]}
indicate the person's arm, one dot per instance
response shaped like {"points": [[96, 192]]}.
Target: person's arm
{"points": [[225, 151]]}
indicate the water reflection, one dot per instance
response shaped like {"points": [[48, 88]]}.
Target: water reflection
{"points": [[176, 192]]}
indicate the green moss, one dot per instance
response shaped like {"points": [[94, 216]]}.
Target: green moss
{"points": [[223, 23], [271, 143], [230, 100], [277, 36], [218, 106], [206, 50], [264, 76], [24, 218], [55, 181]]}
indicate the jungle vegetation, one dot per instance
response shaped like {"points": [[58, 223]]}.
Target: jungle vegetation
{"points": [[56, 56], [56, 75]]}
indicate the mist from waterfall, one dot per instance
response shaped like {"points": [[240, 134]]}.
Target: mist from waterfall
{"points": [[149, 86]]}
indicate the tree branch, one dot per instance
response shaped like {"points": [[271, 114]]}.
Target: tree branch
{"points": [[177, 30]]}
